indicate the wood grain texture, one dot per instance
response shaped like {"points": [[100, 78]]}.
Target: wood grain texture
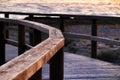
{"points": [[94, 38], [25, 65], [78, 67], [2, 43]]}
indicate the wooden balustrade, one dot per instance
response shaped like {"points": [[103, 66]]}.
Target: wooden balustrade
{"points": [[62, 24], [94, 32], [92, 38], [21, 39], [63, 17], [6, 26], [28, 65], [2, 43], [50, 49]]}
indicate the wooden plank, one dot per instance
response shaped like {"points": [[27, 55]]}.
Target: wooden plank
{"points": [[78, 69], [36, 40], [21, 39], [6, 26], [86, 68], [32, 59], [27, 64], [94, 38], [67, 15], [2, 43], [57, 66], [15, 43], [62, 24], [35, 37], [94, 32], [37, 75]]}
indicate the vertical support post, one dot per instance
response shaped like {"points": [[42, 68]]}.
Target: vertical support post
{"points": [[62, 24], [57, 66], [36, 39], [94, 43], [21, 39], [6, 15], [31, 33], [7, 31], [31, 36], [31, 17], [37, 75], [2, 43]]}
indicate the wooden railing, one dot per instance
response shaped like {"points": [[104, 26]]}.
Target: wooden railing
{"points": [[57, 71], [95, 20], [28, 65]]}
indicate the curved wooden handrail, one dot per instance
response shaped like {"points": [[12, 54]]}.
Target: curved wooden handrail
{"points": [[93, 38], [54, 35], [32, 60], [15, 43]]}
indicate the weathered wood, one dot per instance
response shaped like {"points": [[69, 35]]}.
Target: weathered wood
{"points": [[36, 40], [67, 15], [33, 60], [94, 38], [21, 39], [2, 43], [6, 26], [57, 66], [15, 43], [82, 67], [85, 68], [35, 37], [78, 67], [27, 64], [94, 32], [6, 15], [62, 24], [37, 75]]}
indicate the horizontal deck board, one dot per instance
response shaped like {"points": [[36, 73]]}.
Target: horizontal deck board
{"points": [[79, 67]]}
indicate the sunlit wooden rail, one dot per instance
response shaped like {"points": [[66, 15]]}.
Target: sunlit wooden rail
{"points": [[34, 39], [28, 65]]}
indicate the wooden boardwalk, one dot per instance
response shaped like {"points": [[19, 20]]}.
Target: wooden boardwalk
{"points": [[79, 67]]}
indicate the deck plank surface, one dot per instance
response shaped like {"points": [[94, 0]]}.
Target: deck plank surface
{"points": [[78, 67]]}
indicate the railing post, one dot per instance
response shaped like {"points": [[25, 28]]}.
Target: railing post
{"points": [[62, 24], [6, 15], [2, 43], [21, 39], [57, 66], [94, 32], [31, 17], [6, 26], [36, 39], [31, 33]]}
